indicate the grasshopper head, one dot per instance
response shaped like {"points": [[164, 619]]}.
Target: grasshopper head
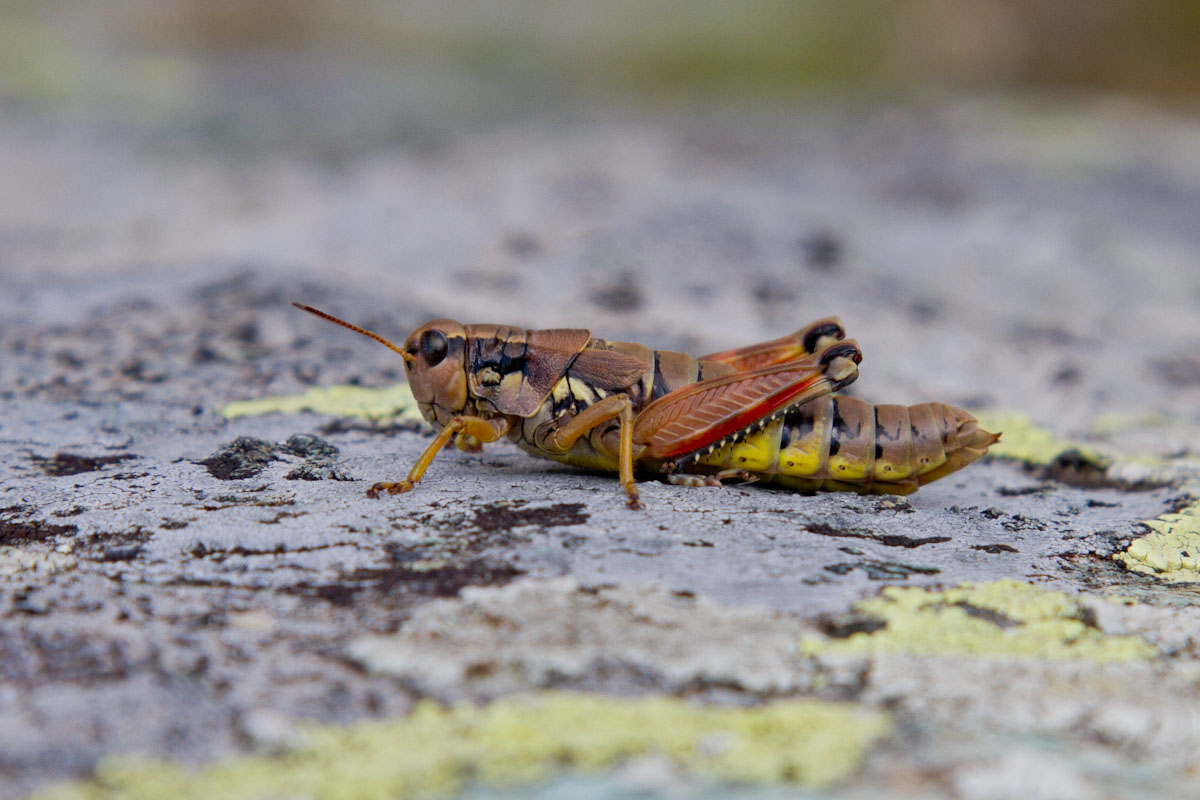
{"points": [[435, 359]]}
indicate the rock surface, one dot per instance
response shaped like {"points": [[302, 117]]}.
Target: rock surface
{"points": [[181, 585]]}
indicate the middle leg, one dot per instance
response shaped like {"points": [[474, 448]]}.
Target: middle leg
{"points": [[619, 407]]}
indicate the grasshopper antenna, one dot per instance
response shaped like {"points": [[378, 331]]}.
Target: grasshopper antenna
{"points": [[317, 312]]}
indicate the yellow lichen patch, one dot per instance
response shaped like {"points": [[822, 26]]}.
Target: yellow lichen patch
{"points": [[1108, 424], [1171, 551], [1024, 440], [344, 401], [437, 751], [1001, 619]]}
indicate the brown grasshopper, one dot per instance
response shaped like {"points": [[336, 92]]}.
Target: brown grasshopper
{"points": [[762, 412]]}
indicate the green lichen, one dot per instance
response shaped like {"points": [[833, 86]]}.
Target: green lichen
{"points": [[437, 751], [1024, 440], [1171, 551], [345, 401], [1001, 619]]}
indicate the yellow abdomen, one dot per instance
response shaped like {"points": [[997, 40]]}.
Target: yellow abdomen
{"points": [[842, 443]]}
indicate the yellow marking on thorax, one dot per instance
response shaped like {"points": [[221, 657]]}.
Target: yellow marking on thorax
{"points": [[510, 384], [584, 453], [561, 391], [584, 392]]}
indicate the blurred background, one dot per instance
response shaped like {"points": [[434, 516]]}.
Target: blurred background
{"points": [[1000, 199], [697, 174], [379, 69]]}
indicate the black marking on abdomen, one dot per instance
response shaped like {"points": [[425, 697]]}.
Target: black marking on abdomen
{"points": [[799, 422], [840, 431]]}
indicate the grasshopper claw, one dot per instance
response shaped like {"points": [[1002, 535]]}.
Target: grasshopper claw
{"points": [[391, 487], [635, 500]]}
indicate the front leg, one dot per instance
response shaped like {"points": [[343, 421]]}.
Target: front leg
{"points": [[472, 431]]}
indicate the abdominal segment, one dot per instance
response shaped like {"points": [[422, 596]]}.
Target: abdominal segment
{"points": [[846, 444]]}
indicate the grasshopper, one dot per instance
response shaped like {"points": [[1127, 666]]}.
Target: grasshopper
{"points": [[763, 412]]}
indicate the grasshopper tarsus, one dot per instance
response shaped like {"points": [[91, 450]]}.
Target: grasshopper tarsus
{"points": [[714, 481], [391, 487]]}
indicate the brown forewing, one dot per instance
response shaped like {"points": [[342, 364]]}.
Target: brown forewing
{"points": [[609, 369], [702, 413]]}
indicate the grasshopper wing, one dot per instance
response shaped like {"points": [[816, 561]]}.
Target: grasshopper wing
{"points": [[804, 342], [703, 413]]}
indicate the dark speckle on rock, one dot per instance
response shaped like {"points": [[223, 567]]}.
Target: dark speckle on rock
{"points": [[821, 250], [398, 584], [1076, 468], [244, 457], [882, 570], [504, 516], [1022, 491], [17, 529], [522, 244], [988, 615], [319, 459], [63, 464], [318, 470], [306, 445], [1181, 370], [247, 456], [769, 291], [998, 547], [924, 310], [121, 553], [620, 294], [900, 540], [885, 539], [1067, 375], [846, 625]]}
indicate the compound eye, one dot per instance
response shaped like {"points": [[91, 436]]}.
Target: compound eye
{"points": [[433, 347]]}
